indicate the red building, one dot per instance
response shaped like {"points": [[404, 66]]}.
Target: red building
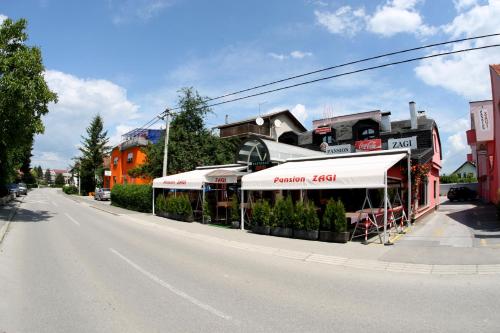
{"points": [[483, 139]]}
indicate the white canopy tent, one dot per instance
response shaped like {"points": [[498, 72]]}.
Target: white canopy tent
{"points": [[196, 179], [347, 171]]}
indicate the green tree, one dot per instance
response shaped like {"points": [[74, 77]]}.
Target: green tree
{"points": [[191, 144], [59, 180], [48, 178], [94, 147], [39, 172], [24, 97]]}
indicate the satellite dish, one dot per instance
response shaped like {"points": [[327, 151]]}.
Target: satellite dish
{"points": [[277, 123], [259, 121]]}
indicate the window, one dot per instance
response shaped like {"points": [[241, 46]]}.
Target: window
{"points": [[130, 157], [328, 139], [115, 161], [435, 189], [422, 193], [367, 133]]}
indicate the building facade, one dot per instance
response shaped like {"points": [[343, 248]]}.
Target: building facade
{"points": [[129, 155], [483, 140]]}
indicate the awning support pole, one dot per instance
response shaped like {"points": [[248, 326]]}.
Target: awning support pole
{"points": [[153, 201], [242, 210], [203, 203], [409, 190], [386, 239]]}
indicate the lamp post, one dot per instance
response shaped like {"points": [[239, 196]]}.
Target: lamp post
{"points": [[165, 153]]}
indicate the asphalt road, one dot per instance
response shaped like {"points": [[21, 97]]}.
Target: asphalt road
{"points": [[66, 267]]}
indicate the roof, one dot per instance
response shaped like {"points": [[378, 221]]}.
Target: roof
{"points": [[496, 68], [460, 167], [191, 180], [267, 115]]}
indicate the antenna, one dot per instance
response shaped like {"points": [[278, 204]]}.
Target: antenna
{"points": [[259, 121], [260, 105], [277, 123]]}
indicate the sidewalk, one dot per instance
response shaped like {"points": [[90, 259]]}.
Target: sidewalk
{"points": [[419, 258], [7, 211]]}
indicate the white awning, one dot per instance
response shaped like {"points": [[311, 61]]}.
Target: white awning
{"points": [[191, 180], [334, 173]]}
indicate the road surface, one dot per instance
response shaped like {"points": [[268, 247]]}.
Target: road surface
{"points": [[67, 267]]}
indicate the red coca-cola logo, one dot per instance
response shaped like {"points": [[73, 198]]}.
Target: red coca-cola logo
{"points": [[368, 145]]}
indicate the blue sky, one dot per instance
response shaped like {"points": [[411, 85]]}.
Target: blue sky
{"points": [[127, 60]]}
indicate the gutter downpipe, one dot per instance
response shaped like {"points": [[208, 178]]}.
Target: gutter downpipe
{"points": [[242, 211]]}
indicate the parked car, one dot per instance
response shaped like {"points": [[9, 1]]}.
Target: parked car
{"points": [[14, 189], [23, 189], [102, 194], [461, 193]]}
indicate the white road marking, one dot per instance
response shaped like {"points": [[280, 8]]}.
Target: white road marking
{"points": [[72, 219], [173, 289]]}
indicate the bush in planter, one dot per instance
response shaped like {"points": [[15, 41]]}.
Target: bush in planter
{"points": [[299, 216], [261, 214], [160, 204], [206, 212], [329, 216], [283, 211], [340, 221], [312, 219], [70, 189], [235, 212], [132, 196]]}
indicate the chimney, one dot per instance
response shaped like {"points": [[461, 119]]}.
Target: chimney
{"points": [[421, 113], [386, 122], [413, 115], [226, 120]]}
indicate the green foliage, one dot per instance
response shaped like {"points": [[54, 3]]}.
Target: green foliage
{"points": [[59, 180], [329, 216], [94, 148], [207, 213], [311, 221], [70, 189], [454, 178], [191, 144], [235, 211], [299, 216], [24, 98], [39, 172], [283, 212], [261, 213], [47, 177], [132, 196], [179, 205], [340, 220]]}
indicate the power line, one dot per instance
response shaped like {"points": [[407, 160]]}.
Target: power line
{"points": [[155, 119], [354, 72]]}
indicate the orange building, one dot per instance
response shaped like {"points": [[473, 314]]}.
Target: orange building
{"points": [[128, 155]]}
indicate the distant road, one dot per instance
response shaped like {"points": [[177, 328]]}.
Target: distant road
{"points": [[66, 267]]}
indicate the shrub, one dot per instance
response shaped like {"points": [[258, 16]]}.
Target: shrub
{"points": [[235, 212], [311, 221], [206, 212], [70, 189], [329, 216], [132, 196], [283, 212], [160, 204], [261, 213], [339, 221], [299, 216]]}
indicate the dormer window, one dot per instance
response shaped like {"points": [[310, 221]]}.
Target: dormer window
{"points": [[368, 133], [366, 129]]}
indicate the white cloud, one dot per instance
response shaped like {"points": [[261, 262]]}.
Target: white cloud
{"points": [[466, 74], [79, 101], [344, 21], [277, 56], [464, 4], [398, 16], [2, 18], [129, 10], [299, 54], [300, 112]]}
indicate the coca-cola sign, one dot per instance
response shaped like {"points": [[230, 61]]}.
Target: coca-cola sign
{"points": [[368, 145]]}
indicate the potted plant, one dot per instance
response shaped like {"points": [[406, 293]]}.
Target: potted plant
{"points": [[341, 235], [326, 227], [184, 209], [283, 214], [261, 214], [306, 221], [160, 206], [235, 212], [206, 213]]}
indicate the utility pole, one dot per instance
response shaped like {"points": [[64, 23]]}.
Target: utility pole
{"points": [[165, 153]]}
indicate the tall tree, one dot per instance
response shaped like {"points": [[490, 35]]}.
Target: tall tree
{"points": [[59, 180], [191, 144], [24, 97], [47, 176], [94, 147], [39, 172]]}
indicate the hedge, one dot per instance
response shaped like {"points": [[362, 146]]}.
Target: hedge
{"points": [[70, 189], [133, 197]]}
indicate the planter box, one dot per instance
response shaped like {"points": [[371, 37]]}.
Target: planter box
{"points": [[176, 216], [262, 230], [235, 224], [341, 237], [308, 235], [282, 232], [326, 236]]}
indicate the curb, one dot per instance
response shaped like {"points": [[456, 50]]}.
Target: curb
{"points": [[5, 227]]}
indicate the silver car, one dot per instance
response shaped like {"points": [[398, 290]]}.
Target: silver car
{"points": [[102, 194], [23, 189]]}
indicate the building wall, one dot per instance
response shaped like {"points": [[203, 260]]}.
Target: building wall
{"points": [[120, 166], [466, 169], [495, 149]]}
